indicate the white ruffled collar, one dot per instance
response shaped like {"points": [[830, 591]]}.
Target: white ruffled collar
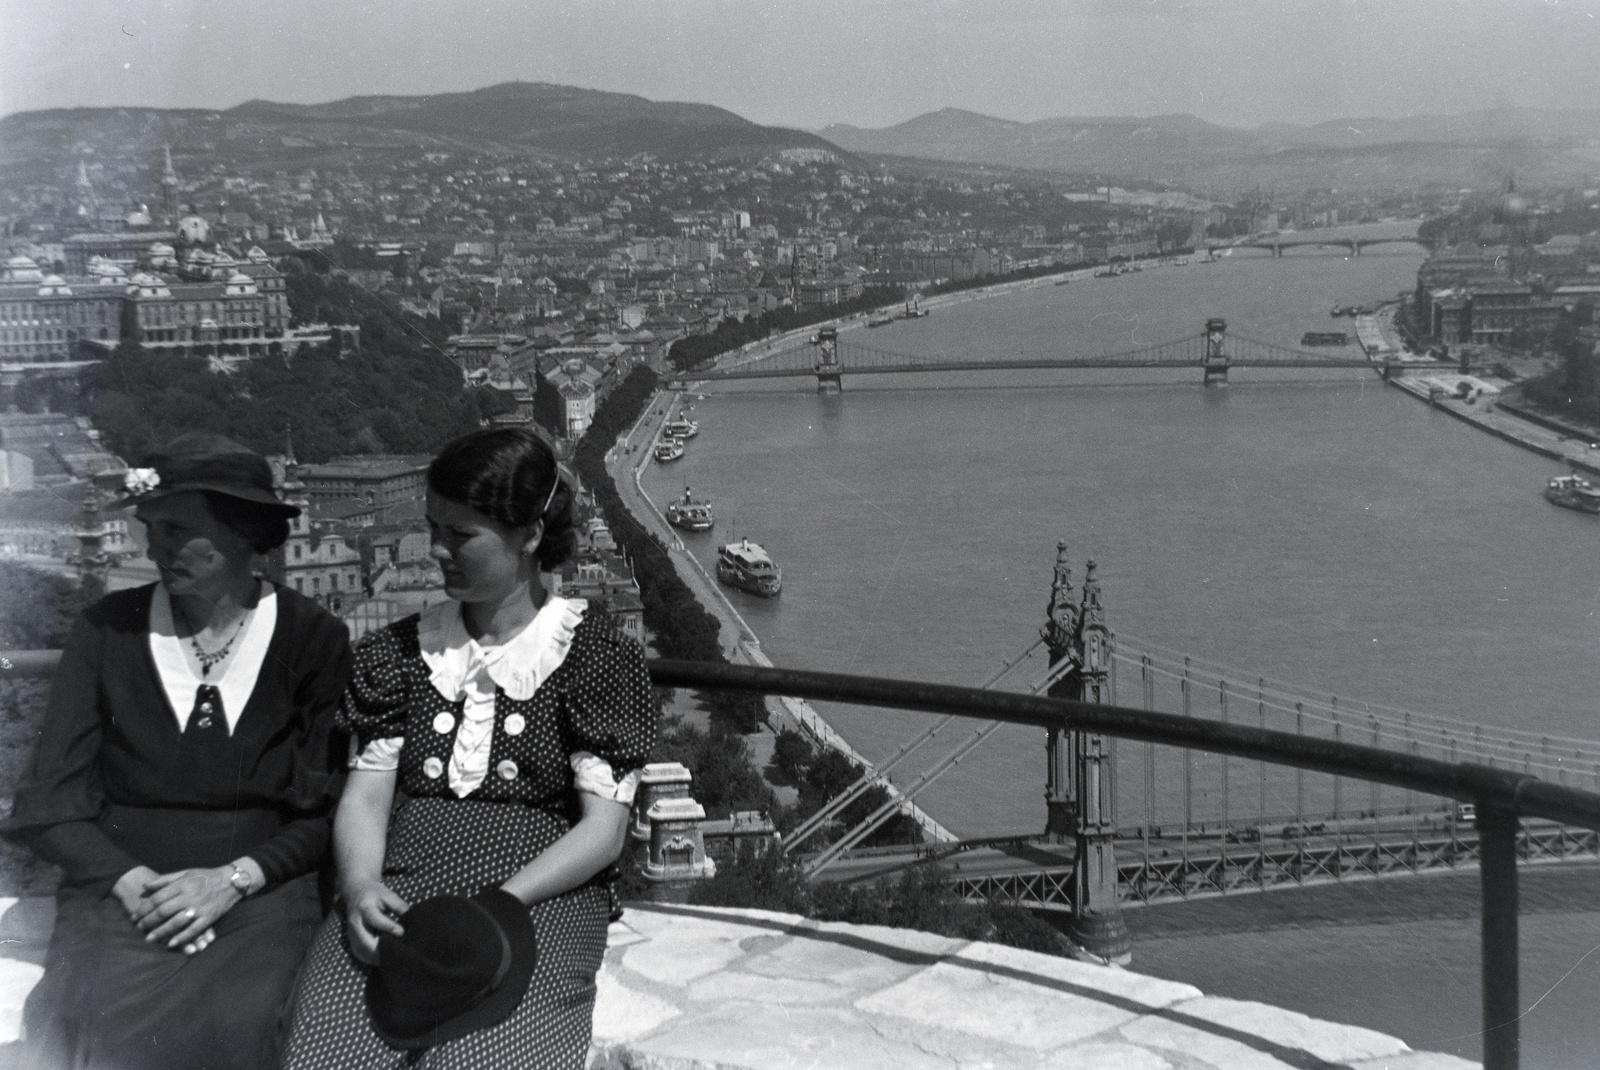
{"points": [[517, 666]]}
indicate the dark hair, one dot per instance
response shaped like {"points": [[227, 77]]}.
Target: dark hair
{"points": [[509, 475], [262, 527]]}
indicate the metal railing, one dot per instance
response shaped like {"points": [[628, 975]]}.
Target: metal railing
{"points": [[1501, 797]]}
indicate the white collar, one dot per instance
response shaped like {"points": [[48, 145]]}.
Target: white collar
{"points": [[238, 677], [518, 666]]}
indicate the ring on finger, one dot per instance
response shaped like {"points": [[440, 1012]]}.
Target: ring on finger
{"points": [[189, 914]]}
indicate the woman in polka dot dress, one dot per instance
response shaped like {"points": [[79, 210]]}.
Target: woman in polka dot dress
{"points": [[514, 724]]}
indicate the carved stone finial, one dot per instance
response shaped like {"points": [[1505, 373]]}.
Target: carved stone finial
{"points": [[1061, 613]]}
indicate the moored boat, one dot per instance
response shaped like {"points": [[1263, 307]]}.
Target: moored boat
{"points": [[668, 449], [1573, 492], [880, 321], [746, 566], [681, 428], [689, 513]]}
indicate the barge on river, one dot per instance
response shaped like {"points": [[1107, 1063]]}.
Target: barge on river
{"points": [[746, 566], [1573, 492], [690, 513]]}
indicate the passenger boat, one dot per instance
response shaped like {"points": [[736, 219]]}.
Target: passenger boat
{"points": [[681, 428], [880, 321], [1324, 338], [1573, 492], [689, 514], [668, 449], [745, 565], [914, 309]]}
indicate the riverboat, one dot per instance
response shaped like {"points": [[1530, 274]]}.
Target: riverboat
{"points": [[689, 513], [914, 310], [1573, 492], [668, 449], [1063, 282], [880, 321], [1324, 338], [681, 428], [746, 566]]}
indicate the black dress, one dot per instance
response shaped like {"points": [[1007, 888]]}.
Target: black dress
{"points": [[597, 701], [115, 783]]}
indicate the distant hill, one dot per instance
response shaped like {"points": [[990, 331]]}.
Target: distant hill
{"points": [[515, 117], [1537, 145]]}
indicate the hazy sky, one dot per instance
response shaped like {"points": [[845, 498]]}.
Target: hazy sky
{"points": [[811, 62]]}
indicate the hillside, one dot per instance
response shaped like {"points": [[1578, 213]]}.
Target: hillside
{"points": [[514, 118], [1538, 146]]}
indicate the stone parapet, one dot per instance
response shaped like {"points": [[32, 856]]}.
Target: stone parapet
{"points": [[702, 988]]}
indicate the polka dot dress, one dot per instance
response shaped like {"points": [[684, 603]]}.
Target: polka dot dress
{"points": [[599, 701]]}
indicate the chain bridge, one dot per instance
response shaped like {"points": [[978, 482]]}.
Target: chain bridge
{"points": [[1211, 351], [1133, 824]]}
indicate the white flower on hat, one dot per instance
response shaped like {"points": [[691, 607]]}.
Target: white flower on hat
{"points": [[141, 480]]}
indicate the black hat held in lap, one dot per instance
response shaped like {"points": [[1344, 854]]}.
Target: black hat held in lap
{"points": [[462, 965], [203, 461]]}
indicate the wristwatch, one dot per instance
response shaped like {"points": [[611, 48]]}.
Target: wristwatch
{"points": [[241, 880]]}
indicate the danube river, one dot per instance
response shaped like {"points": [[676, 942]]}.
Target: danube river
{"points": [[1320, 528]]}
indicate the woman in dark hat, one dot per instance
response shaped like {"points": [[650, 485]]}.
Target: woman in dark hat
{"points": [[183, 780], [513, 724]]}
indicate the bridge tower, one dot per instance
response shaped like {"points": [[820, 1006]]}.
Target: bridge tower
{"points": [[1060, 637], [1215, 364], [1097, 925], [830, 373]]}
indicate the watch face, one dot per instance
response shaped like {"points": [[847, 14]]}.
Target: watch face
{"points": [[240, 880]]}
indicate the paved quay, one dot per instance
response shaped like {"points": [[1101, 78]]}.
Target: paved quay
{"points": [[703, 988]]}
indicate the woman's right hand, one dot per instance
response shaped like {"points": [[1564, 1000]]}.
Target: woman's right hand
{"points": [[130, 890], [370, 911]]}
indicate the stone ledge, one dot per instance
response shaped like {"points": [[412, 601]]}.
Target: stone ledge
{"points": [[705, 988], [787, 993]]}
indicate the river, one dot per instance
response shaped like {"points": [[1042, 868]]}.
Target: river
{"points": [[1315, 527]]}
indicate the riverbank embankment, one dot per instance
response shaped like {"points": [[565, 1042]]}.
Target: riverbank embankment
{"points": [[1477, 400], [626, 461]]}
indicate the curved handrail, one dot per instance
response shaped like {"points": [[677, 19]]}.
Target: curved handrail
{"points": [[1501, 796]]}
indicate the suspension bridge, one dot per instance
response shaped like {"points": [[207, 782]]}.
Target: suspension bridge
{"points": [[1211, 351], [1139, 824]]}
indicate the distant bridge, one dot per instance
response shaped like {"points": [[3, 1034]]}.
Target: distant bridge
{"points": [[1354, 245], [1210, 351]]}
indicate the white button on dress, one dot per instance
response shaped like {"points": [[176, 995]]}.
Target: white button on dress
{"points": [[515, 724], [434, 768], [507, 769], [443, 723]]}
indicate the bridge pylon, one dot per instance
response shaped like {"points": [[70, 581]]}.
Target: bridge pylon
{"points": [[1215, 363], [1079, 790], [830, 373]]}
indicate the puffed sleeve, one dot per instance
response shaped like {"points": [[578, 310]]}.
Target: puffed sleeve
{"points": [[611, 711], [374, 707], [60, 796]]}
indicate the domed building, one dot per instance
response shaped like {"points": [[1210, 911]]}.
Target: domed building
{"points": [[45, 319], [194, 230]]}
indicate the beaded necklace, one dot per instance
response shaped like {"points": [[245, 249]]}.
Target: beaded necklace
{"points": [[210, 659]]}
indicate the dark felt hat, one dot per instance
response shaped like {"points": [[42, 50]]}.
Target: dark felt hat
{"points": [[462, 965], [199, 460]]}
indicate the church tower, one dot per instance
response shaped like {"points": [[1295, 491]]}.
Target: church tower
{"points": [[88, 204], [169, 189]]}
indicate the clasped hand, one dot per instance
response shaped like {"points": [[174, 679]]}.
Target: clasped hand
{"points": [[179, 908]]}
